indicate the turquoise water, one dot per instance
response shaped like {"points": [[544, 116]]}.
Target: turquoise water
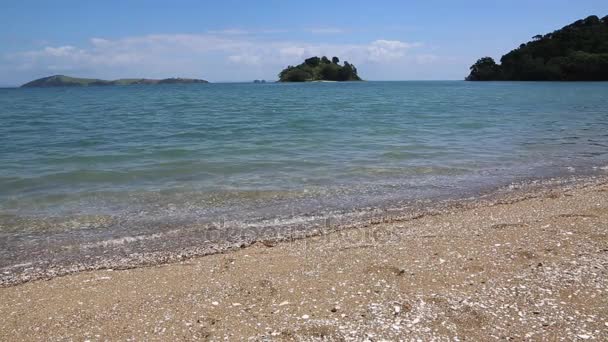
{"points": [[88, 164]]}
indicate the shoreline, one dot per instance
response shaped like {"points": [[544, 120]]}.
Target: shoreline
{"points": [[230, 239], [525, 263]]}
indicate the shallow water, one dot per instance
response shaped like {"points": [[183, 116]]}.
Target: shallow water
{"points": [[80, 166]]}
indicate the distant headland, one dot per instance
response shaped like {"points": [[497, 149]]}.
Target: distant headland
{"points": [[577, 52], [67, 81], [320, 69]]}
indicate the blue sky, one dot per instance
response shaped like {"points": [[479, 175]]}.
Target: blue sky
{"points": [[232, 40]]}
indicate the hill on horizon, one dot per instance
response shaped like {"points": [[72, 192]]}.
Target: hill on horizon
{"points": [[67, 81], [577, 52]]}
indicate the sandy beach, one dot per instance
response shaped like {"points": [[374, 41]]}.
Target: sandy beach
{"points": [[517, 267]]}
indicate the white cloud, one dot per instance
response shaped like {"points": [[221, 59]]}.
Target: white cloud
{"points": [[60, 51], [227, 56], [232, 31], [386, 50], [293, 52], [379, 51], [100, 42], [245, 59], [238, 31]]}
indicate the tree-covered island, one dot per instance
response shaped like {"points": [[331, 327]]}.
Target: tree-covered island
{"points": [[577, 52], [320, 69]]}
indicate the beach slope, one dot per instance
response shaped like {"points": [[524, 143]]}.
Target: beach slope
{"points": [[533, 267]]}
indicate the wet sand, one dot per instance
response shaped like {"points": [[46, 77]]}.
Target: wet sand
{"points": [[519, 267]]}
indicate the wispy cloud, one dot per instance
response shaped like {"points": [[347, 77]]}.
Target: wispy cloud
{"points": [[239, 31], [232, 31], [313, 30], [326, 30], [387, 50], [245, 59]]}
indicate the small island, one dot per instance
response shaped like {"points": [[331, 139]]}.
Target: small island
{"points": [[577, 52], [320, 69], [67, 81]]}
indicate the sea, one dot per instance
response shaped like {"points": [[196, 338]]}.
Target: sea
{"points": [[120, 176]]}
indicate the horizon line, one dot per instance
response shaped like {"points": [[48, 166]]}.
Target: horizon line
{"points": [[249, 81]]}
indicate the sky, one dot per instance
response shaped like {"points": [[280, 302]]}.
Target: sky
{"points": [[231, 40]]}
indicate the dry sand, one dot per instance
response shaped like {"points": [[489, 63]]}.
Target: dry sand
{"points": [[520, 268]]}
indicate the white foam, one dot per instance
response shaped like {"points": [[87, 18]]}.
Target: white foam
{"points": [[17, 266], [122, 240]]}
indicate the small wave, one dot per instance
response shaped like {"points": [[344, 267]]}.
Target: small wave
{"points": [[126, 239], [25, 264]]}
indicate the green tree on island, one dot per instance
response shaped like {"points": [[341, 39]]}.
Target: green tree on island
{"points": [[485, 69], [577, 52], [320, 69]]}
